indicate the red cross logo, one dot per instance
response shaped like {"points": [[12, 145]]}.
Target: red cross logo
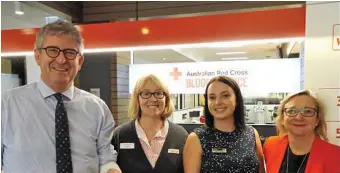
{"points": [[176, 73]]}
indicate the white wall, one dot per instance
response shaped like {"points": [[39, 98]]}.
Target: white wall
{"points": [[9, 81], [322, 64]]}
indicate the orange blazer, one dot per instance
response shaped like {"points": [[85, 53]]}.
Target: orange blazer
{"points": [[324, 157]]}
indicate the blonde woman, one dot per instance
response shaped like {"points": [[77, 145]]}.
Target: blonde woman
{"points": [[150, 143], [301, 146]]}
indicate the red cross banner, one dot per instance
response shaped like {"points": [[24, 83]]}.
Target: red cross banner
{"points": [[255, 77]]}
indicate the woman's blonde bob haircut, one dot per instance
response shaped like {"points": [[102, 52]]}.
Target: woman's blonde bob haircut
{"points": [[320, 130], [135, 111]]}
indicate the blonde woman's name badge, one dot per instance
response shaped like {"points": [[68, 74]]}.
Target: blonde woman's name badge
{"points": [[127, 145]]}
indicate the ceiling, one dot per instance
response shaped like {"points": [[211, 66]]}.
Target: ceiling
{"points": [[34, 15], [111, 11]]}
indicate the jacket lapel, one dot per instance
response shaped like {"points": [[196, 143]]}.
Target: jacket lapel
{"points": [[314, 160], [278, 156]]}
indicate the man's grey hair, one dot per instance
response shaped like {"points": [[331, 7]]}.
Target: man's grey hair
{"points": [[59, 27]]}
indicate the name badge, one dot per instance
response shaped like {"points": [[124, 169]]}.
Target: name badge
{"points": [[127, 145], [219, 150], [173, 151]]}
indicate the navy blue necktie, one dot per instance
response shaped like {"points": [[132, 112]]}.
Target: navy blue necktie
{"points": [[62, 137]]}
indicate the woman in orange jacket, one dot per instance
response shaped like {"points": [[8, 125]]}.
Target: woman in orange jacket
{"points": [[301, 146]]}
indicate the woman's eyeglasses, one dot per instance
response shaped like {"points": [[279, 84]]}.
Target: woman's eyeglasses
{"points": [[306, 111], [157, 94]]}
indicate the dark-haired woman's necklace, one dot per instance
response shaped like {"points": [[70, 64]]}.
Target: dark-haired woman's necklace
{"points": [[288, 161]]}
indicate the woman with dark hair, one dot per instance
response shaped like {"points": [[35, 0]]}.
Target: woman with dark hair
{"points": [[226, 144]]}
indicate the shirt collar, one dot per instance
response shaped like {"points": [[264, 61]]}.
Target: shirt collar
{"points": [[46, 91], [162, 133]]}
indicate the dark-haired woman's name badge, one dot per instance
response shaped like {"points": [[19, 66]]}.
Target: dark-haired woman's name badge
{"points": [[219, 150]]}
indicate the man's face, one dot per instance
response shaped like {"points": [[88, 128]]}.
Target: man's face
{"points": [[58, 71]]}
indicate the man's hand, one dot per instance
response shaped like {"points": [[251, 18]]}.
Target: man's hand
{"points": [[113, 171]]}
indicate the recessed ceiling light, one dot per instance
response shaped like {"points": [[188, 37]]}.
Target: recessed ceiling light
{"points": [[164, 59], [18, 8], [229, 53], [145, 30], [19, 12]]}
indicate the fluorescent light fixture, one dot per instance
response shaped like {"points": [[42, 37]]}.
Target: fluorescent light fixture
{"points": [[229, 53], [235, 58], [11, 54], [164, 47], [225, 45], [18, 8]]}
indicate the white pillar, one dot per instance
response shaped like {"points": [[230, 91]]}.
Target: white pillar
{"points": [[322, 63], [32, 69]]}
